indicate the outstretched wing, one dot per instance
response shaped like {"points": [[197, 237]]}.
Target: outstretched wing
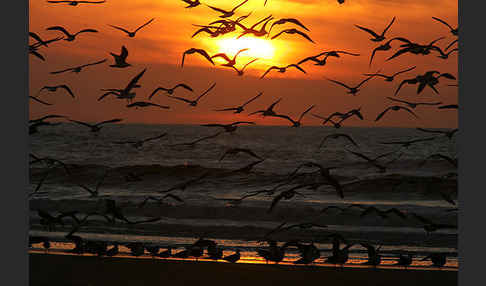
{"points": [[120, 28], [150, 21], [368, 31], [389, 25], [443, 22], [109, 121], [382, 113], [67, 89], [208, 90], [59, 28], [259, 94]]}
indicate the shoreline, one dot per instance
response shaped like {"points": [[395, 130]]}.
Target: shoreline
{"points": [[49, 269]]}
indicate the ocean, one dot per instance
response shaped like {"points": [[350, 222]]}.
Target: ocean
{"points": [[210, 207]]}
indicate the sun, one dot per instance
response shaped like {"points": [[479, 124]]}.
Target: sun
{"points": [[257, 48]]}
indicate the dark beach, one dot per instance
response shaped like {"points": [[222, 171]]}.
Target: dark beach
{"points": [[46, 269]]}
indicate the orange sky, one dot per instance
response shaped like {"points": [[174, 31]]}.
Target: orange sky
{"points": [[159, 47]]}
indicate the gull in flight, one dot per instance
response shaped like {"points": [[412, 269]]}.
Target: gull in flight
{"points": [[96, 127], [120, 60], [132, 34], [293, 31], [193, 3], [287, 20], [229, 127], [194, 102], [146, 104], [257, 33], [54, 88], [38, 100], [295, 123], [139, 143], [395, 108], [199, 51], [385, 47], [240, 108], [448, 133], [241, 71], [269, 111], [79, 68], [170, 90], [234, 151], [414, 104], [282, 69], [390, 77], [75, 3], [454, 31], [336, 136], [318, 62], [70, 37], [377, 38], [126, 92], [352, 90], [225, 13]]}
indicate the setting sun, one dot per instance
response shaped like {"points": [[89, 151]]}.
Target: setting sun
{"points": [[258, 48]]}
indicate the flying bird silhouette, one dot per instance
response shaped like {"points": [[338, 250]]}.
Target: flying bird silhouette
{"points": [[126, 93], [269, 111], [287, 20], [395, 108], [194, 102], [226, 13], [199, 51], [170, 90], [241, 71], [352, 90], [390, 77], [146, 104], [282, 69], [75, 3], [293, 31], [295, 123], [96, 127], [132, 34], [454, 31], [56, 87], [377, 38], [78, 69], [70, 37], [120, 60], [240, 108], [229, 127]]}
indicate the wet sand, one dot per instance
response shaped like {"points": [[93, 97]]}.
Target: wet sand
{"points": [[46, 269]]}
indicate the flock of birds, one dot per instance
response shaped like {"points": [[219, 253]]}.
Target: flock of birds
{"points": [[217, 28]]}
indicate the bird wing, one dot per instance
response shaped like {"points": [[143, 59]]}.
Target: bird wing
{"points": [[443, 22], [234, 9], [409, 81], [449, 106], [156, 90], [38, 100], [227, 109], [35, 53], [398, 100], [150, 21], [134, 81], [304, 35], [347, 137], [86, 31], [95, 63], [61, 71], [183, 85], [368, 31], [275, 36], [388, 27], [296, 22], [248, 63], [340, 83], [109, 121], [402, 51], [297, 67], [275, 201], [120, 28], [365, 80], [36, 37], [221, 55], [67, 89], [259, 94], [180, 98], [382, 113], [59, 28], [447, 75], [205, 54], [106, 94], [82, 123], [154, 138], [305, 112], [208, 90], [285, 117], [361, 156], [403, 71], [217, 9], [124, 53], [268, 70]]}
